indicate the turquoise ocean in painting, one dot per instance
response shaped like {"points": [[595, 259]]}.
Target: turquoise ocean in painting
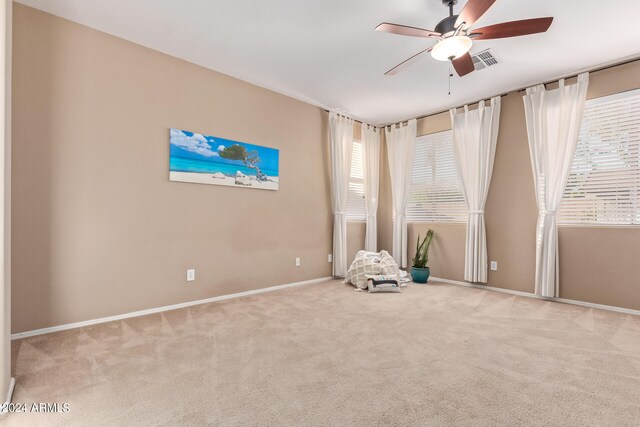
{"points": [[197, 153], [180, 164]]}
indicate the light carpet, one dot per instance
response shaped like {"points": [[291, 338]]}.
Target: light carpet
{"points": [[325, 355]]}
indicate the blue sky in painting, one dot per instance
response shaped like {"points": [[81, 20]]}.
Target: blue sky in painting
{"points": [[190, 145]]}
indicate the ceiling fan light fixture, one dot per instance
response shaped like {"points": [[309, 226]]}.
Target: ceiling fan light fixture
{"points": [[451, 48]]}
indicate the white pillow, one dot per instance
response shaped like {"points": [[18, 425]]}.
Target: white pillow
{"points": [[383, 283]]}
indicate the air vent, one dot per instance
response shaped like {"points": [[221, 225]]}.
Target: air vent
{"points": [[484, 59]]}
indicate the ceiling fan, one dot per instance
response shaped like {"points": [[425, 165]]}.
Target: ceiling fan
{"points": [[455, 37]]}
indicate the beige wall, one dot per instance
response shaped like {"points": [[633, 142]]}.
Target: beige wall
{"points": [[385, 203], [355, 239], [446, 255], [511, 212], [5, 197], [98, 228], [598, 265]]}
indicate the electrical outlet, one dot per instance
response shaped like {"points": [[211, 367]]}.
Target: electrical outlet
{"points": [[297, 262], [330, 258], [494, 265], [191, 275]]}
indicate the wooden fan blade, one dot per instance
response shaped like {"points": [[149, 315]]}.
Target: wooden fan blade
{"points": [[404, 30], [513, 29], [401, 66], [473, 10], [463, 65]]}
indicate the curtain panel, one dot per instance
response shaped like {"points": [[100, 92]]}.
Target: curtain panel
{"points": [[475, 135], [553, 118], [371, 154], [401, 144], [341, 146]]}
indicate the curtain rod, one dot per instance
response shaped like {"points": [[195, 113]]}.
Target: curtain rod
{"points": [[522, 89], [466, 103], [355, 120]]}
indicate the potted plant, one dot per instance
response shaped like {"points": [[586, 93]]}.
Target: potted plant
{"points": [[419, 270]]}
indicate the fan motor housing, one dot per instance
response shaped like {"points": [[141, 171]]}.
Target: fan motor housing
{"points": [[447, 25]]}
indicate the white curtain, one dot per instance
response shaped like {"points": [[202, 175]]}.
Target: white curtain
{"points": [[371, 154], [553, 123], [341, 145], [475, 134], [401, 145]]}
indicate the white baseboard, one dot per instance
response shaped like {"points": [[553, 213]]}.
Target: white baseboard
{"points": [[530, 295], [490, 288], [7, 401], [160, 309]]}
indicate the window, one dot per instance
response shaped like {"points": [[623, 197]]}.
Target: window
{"points": [[604, 182], [435, 194], [355, 206]]}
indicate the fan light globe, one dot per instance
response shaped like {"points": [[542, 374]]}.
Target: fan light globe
{"points": [[451, 48]]}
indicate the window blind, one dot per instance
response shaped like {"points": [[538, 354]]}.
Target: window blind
{"points": [[356, 203], [435, 194], [604, 183]]}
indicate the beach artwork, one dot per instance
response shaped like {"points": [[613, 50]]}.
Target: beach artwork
{"points": [[204, 159]]}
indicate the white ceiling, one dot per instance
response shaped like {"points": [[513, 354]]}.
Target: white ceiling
{"points": [[325, 52]]}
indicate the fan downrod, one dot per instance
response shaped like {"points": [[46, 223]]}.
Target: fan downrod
{"points": [[448, 24], [450, 4]]}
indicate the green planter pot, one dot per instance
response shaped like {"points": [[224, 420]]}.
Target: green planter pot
{"points": [[420, 275]]}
